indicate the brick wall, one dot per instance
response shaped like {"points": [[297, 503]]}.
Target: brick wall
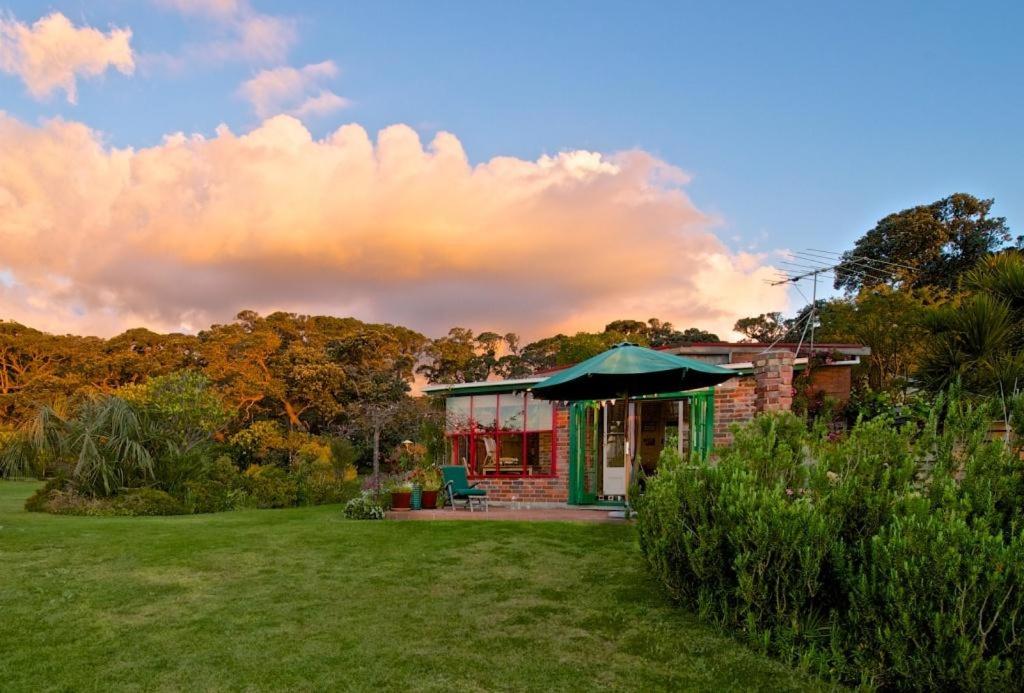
{"points": [[734, 403], [773, 375]]}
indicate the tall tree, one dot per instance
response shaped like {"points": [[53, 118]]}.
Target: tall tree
{"points": [[377, 367], [890, 322], [928, 245]]}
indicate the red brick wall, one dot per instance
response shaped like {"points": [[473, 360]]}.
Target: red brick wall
{"points": [[734, 403], [533, 491], [773, 373]]}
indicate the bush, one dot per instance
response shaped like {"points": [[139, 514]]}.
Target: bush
{"points": [[219, 490], [363, 507], [269, 487], [145, 501], [58, 499], [38, 501], [892, 557]]}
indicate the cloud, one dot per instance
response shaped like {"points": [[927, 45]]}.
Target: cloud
{"points": [[296, 91], [52, 53], [185, 233], [245, 34]]}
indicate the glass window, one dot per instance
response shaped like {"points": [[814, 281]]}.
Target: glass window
{"points": [[511, 415], [538, 414], [460, 451], [538, 453], [511, 459], [485, 450], [457, 414], [487, 434], [485, 410]]}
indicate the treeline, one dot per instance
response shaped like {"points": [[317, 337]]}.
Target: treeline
{"points": [[316, 374]]}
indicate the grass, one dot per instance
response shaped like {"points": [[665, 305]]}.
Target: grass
{"points": [[303, 599]]}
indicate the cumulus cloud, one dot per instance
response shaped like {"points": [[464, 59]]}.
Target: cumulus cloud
{"points": [[246, 34], [52, 53], [296, 91], [181, 234]]}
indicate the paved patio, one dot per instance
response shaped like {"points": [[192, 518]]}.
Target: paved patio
{"points": [[507, 514]]}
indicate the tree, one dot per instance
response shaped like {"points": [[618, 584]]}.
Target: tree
{"points": [[462, 357], [978, 339], [692, 335], [888, 321], [764, 328], [928, 245], [104, 442], [377, 367]]}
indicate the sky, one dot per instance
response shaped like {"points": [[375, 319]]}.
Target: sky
{"points": [[535, 167]]}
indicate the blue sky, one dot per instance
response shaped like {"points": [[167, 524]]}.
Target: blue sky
{"points": [[801, 123]]}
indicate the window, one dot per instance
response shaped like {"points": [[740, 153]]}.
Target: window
{"points": [[505, 435]]}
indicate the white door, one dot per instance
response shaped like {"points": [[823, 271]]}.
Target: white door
{"points": [[614, 462]]}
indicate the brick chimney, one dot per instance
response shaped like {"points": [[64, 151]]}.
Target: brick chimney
{"points": [[773, 375]]}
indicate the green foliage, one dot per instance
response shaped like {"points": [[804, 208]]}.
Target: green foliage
{"points": [[262, 442], [270, 487], [219, 489], [979, 339], [891, 557], [58, 498], [928, 245], [363, 507], [103, 443]]}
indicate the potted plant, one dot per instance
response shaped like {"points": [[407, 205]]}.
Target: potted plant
{"points": [[401, 495], [428, 478]]}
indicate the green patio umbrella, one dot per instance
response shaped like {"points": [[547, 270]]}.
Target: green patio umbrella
{"points": [[627, 370]]}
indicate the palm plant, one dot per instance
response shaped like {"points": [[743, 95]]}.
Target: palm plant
{"points": [[979, 341], [103, 445]]}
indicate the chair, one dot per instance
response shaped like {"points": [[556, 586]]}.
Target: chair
{"points": [[504, 464], [457, 487]]}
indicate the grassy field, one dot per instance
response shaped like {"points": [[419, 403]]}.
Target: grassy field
{"points": [[302, 599]]}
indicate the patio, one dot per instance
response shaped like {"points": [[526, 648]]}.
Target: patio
{"points": [[512, 514]]}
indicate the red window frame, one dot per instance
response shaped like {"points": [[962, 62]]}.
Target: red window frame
{"points": [[497, 434]]}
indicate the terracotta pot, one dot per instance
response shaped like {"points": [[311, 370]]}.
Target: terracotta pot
{"points": [[401, 500], [429, 500]]}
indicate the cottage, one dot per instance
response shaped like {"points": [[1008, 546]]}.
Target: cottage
{"points": [[527, 451]]}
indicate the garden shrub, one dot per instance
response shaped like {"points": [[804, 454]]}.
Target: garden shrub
{"points": [[219, 490], [890, 557], [145, 501], [57, 498], [38, 501], [269, 487], [363, 507]]}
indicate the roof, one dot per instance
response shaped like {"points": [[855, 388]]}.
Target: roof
{"points": [[483, 386]]}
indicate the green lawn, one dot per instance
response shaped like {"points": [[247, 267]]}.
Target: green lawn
{"points": [[302, 599]]}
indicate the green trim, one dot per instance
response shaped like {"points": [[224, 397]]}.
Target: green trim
{"points": [[701, 438], [489, 388]]}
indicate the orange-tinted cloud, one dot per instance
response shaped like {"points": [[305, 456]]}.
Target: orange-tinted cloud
{"points": [[296, 91], [52, 53], [181, 234], [247, 35]]}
